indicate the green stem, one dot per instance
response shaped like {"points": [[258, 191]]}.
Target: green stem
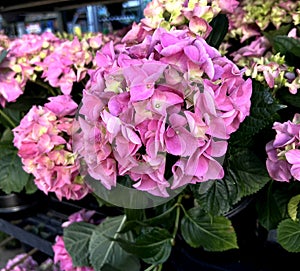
{"points": [[150, 267], [154, 267], [159, 268], [8, 119], [177, 218], [45, 86]]}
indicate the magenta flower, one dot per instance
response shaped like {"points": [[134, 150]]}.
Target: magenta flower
{"points": [[283, 152], [10, 90], [62, 105], [278, 170], [293, 157]]}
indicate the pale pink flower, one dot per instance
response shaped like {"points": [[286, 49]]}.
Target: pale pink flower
{"points": [[45, 153], [9, 91], [227, 6], [62, 105], [167, 95]]}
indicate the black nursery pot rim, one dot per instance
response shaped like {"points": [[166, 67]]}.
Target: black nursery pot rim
{"points": [[14, 202], [239, 207]]}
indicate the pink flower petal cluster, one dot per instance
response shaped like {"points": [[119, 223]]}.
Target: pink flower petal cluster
{"points": [[43, 140], [283, 162], [72, 60], [194, 16], [260, 63], [22, 63], [170, 98], [56, 61], [27, 263], [61, 255], [256, 55], [252, 17], [66, 65], [10, 88]]}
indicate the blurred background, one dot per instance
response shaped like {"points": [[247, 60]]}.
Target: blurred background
{"points": [[71, 16]]}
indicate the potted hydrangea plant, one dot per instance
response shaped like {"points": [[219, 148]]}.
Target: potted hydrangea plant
{"points": [[179, 126]]}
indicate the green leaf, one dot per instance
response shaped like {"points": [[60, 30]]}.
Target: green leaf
{"points": [[282, 31], [270, 211], [293, 206], [288, 235], [105, 253], [245, 175], [272, 204], [247, 171], [12, 176], [164, 219], [9, 118], [289, 47], [77, 238], [263, 113], [30, 186], [153, 246], [7, 135], [219, 29], [133, 225], [134, 214], [216, 196], [3, 55], [211, 233], [284, 44], [289, 98]]}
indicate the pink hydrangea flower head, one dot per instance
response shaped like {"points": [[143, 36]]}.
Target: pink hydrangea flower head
{"points": [[28, 263], [170, 95], [44, 144], [283, 161]]}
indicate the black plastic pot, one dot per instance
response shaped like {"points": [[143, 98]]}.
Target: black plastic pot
{"points": [[252, 255], [18, 204], [255, 252]]}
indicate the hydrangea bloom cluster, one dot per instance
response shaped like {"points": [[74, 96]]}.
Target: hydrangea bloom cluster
{"points": [[254, 16], [69, 62], [193, 15], [247, 23], [47, 59], [43, 140], [265, 67], [171, 99], [24, 262], [283, 161], [22, 63], [10, 88], [27, 264], [61, 255]]}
